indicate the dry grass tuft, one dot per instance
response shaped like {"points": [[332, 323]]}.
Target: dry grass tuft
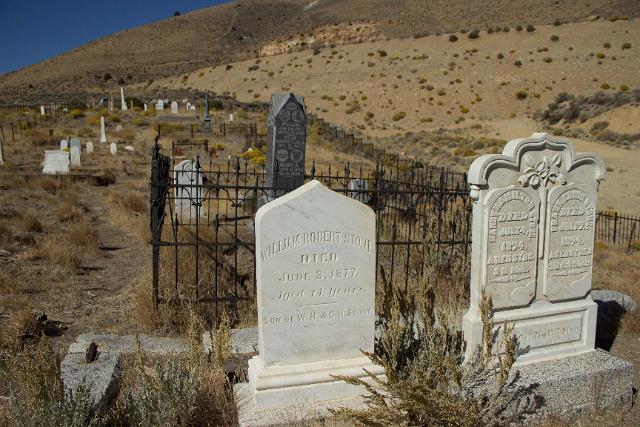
{"points": [[135, 203], [31, 222], [36, 392], [180, 392]]}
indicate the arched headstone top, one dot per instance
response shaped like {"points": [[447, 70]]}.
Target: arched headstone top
{"points": [[540, 159]]}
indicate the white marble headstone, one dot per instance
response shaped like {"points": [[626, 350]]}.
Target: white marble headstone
{"points": [[160, 105], [123, 103], [174, 107], [231, 117], [75, 142], [75, 156], [188, 196], [64, 144], [359, 190], [42, 112], [145, 107], [533, 235], [89, 147], [315, 269], [103, 131], [113, 148], [55, 162]]}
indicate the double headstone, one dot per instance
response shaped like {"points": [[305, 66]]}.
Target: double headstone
{"points": [[55, 162], [534, 218], [188, 190], [315, 269], [286, 141]]}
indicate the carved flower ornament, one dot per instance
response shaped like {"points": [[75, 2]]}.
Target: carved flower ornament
{"points": [[542, 172]]}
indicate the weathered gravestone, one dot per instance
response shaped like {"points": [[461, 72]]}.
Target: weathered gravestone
{"points": [[174, 107], [64, 144], [315, 269], [75, 142], [160, 105], [113, 148], [123, 102], [286, 141], [103, 131], [42, 112], [534, 219], [188, 190], [533, 236], [145, 107], [89, 147], [75, 156], [55, 162], [359, 190]]}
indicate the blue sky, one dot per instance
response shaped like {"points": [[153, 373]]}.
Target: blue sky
{"points": [[34, 30]]}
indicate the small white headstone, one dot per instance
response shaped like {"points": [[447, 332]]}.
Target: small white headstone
{"points": [[75, 142], [145, 107], [122, 100], [55, 162], [533, 234], [64, 145], [42, 112], [188, 106], [315, 269], [103, 131], [75, 156], [113, 148], [174, 107], [193, 108], [89, 147], [188, 196], [231, 117], [118, 128], [359, 190], [160, 105]]}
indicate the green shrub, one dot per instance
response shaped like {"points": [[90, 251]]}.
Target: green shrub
{"points": [[382, 53], [547, 59], [555, 38], [474, 34], [607, 45], [522, 94], [530, 28], [605, 86], [626, 46], [453, 38], [398, 116], [500, 55], [624, 88], [76, 113]]}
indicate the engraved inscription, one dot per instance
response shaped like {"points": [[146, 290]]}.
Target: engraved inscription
{"points": [[544, 332], [570, 242], [511, 247]]}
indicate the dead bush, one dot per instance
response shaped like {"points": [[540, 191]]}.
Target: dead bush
{"points": [[31, 222]]}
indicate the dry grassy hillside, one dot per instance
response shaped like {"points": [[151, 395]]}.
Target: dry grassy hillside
{"points": [[241, 29], [390, 87]]}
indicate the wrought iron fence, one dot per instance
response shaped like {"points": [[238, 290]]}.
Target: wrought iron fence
{"points": [[618, 229], [203, 237]]}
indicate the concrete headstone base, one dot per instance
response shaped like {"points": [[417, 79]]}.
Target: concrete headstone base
{"points": [[286, 385], [299, 414], [577, 385]]}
